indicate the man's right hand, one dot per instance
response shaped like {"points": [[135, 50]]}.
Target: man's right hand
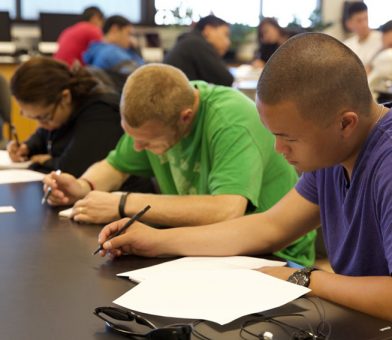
{"points": [[138, 239], [66, 189], [18, 153]]}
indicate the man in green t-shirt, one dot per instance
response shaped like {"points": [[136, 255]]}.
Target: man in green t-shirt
{"points": [[212, 158]]}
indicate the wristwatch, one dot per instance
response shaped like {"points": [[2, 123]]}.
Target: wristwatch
{"points": [[302, 277]]}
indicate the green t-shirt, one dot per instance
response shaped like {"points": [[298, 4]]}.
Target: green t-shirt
{"points": [[228, 151]]}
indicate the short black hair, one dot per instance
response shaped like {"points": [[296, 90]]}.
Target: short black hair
{"points": [[304, 71], [387, 27], [115, 20], [210, 20], [355, 7], [90, 12]]}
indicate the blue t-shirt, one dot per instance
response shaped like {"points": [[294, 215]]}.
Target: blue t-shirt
{"points": [[108, 56], [356, 216]]}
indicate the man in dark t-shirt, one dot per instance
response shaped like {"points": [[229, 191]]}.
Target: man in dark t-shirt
{"points": [[199, 53]]}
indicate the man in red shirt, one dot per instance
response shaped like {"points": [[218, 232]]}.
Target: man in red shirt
{"points": [[74, 40]]}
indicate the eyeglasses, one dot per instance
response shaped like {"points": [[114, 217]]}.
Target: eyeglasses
{"points": [[45, 118], [172, 332]]}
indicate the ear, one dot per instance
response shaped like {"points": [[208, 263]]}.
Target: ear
{"points": [[186, 116], [348, 123], [67, 96], [206, 31]]}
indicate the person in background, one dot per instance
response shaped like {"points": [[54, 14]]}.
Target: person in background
{"points": [[117, 51], [381, 65], [326, 124], [365, 42], [270, 36], [74, 40], [79, 121], [206, 147], [199, 53]]}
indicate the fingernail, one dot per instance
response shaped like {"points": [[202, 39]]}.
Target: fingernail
{"points": [[107, 245]]}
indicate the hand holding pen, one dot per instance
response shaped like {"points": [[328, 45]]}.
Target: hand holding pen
{"points": [[17, 152], [15, 134], [123, 228], [49, 191]]}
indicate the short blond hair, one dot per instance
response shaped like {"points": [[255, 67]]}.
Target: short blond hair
{"points": [[155, 92]]}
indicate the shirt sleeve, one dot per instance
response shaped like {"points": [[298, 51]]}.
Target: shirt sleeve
{"points": [[236, 164], [307, 188], [124, 158]]}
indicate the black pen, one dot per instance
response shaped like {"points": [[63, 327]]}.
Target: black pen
{"points": [[15, 134], [47, 194], [125, 226]]}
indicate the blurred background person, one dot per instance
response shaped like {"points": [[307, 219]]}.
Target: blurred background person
{"points": [[74, 40], [270, 36], [365, 42], [381, 66], [117, 53], [199, 53]]}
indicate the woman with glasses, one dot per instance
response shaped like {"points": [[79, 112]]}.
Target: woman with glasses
{"points": [[79, 120]]}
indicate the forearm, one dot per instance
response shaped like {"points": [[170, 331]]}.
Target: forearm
{"points": [[104, 177], [190, 210], [248, 235], [371, 295]]}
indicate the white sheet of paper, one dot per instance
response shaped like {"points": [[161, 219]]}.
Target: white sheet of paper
{"points": [[6, 163], [7, 209], [19, 176], [220, 296], [66, 213], [201, 263]]}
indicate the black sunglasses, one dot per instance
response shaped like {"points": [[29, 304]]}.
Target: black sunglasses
{"points": [[171, 332]]}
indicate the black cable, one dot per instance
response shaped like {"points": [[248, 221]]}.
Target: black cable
{"points": [[320, 329]]}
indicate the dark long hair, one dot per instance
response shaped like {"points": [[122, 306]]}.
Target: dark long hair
{"points": [[41, 80]]}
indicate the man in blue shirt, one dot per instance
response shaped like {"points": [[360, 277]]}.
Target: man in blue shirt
{"points": [[117, 50], [314, 97]]}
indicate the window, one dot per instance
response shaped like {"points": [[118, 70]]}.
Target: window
{"points": [[184, 12], [379, 13], [131, 9], [298, 11], [8, 6]]}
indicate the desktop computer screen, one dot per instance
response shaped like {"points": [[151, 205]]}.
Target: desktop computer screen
{"points": [[5, 26], [52, 24]]}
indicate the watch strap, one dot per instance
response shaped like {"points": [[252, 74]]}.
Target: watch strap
{"points": [[121, 205]]}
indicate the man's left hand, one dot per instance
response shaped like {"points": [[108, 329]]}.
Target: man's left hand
{"points": [[97, 207]]}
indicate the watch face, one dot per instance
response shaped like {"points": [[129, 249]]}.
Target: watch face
{"points": [[300, 278]]}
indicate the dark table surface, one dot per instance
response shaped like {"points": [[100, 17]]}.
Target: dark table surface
{"points": [[50, 283]]}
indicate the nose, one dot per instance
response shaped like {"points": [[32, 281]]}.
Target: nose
{"points": [[44, 125], [281, 146]]}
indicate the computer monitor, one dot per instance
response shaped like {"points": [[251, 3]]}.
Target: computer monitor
{"points": [[52, 24], [5, 26]]}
